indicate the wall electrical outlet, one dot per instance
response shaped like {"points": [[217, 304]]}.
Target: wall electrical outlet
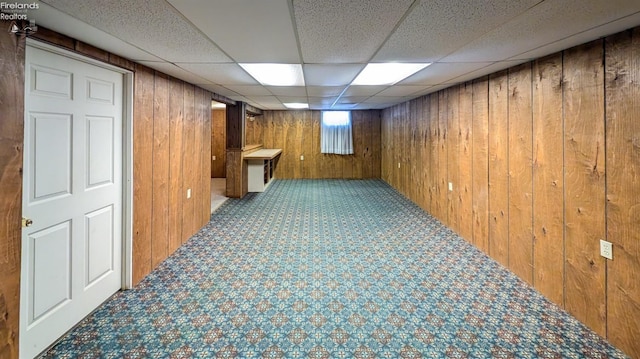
{"points": [[450, 186], [301, 157], [213, 158], [188, 192], [606, 249]]}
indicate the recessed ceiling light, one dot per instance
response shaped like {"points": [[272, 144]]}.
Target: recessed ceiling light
{"points": [[387, 73], [276, 74], [296, 105]]}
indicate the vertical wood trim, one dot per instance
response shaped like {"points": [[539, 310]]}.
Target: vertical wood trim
{"points": [[623, 192], [205, 175], [584, 184], [142, 171], [12, 59], [548, 202], [176, 108], [160, 180], [499, 168], [520, 173], [465, 158], [481, 164]]}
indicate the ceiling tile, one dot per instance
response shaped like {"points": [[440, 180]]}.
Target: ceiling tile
{"points": [[329, 29], [297, 91], [548, 22], [400, 90], [330, 74], [352, 99], [438, 27], [221, 74], [249, 90], [302, 99], [581, 38], [175, 71], [438, 72], [268, 102], [495, 67], [58, 21], [324, 91], [363, 90], [262, 30], [152, 25], [221, 90]]}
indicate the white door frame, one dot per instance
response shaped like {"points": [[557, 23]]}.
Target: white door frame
{"points": [[127, 153]]}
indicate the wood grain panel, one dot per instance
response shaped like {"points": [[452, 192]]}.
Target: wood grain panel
{"points": [[434, 141], [176, 108], [254, 130], [623, 192], [218, 147], [465, 160], [442, 186], [160, 169], [548, 190], [499, 168], [480, 206], [420, 155], [142, 171], [298, 133], [199, 150], [188, 164], [359, 138], [315, 155], [425, 130], [12, 57], [453, 160], [412, 153], [374, 145], [584, 184], [520, 173], [307, 146]]}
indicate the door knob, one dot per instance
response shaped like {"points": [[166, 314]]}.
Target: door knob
{"points": [[26, 222]]}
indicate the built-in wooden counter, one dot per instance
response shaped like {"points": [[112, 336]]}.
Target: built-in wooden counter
{"points": [[261, 169]]}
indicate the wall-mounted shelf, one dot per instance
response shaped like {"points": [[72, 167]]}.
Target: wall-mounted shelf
{"points": [[261, 168]]}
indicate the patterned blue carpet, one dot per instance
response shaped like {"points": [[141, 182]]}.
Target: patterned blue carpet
{"points": [[329, 269]]}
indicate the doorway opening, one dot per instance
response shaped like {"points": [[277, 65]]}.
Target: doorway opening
{"points": [[218, 154]]}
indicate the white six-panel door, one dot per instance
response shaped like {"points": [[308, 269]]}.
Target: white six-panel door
{"points": [[73, 192]]}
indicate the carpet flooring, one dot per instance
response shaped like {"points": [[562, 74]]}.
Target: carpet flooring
{"points": [[329, 269]]}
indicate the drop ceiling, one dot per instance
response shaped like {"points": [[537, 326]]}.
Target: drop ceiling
{"points": [[202, 41]]}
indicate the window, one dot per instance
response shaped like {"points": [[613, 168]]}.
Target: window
{"points": [[336, 134]]}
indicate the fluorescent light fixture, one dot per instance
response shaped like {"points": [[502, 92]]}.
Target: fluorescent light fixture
{"points": [[218, 105], [296, 105], [387, 73], [276, 74]]}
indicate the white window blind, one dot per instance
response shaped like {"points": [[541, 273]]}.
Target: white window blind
{"points": [[336, 135]]}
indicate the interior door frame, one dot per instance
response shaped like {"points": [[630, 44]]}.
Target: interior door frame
{"points": [[127, 151]]}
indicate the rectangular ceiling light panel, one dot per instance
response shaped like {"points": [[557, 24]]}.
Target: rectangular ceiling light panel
{"points": [[387, 73], [276, 74]]}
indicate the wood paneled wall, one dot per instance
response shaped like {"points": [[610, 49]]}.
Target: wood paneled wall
{"points": [[218, 143], [11, 144], [171, 142], [544, 159], [171, 146], [297, 133]]}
